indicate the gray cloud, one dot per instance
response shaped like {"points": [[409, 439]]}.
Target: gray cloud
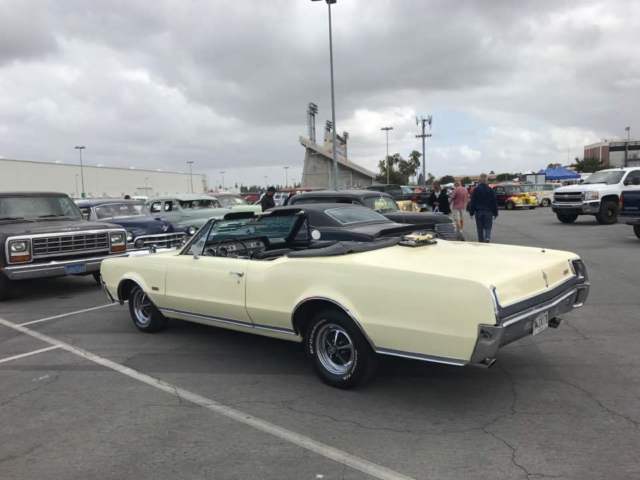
{"points": [[226, 83]]}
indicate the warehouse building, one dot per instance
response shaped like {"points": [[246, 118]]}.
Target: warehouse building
{"points": [[618, 153], [98, 181]]}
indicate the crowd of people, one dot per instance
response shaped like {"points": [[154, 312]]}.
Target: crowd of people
{"points": [[479, 201]]}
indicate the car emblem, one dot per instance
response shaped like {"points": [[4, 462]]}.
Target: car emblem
{"points": [[545, 278], [165, 227]]}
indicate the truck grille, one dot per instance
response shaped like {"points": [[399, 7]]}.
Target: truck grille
{"points": [[447, 231], [568, 197], [165, 240], [70, 244]]}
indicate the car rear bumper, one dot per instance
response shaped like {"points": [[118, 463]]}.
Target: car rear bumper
{"points": [[583, 208], [516, 325], [57, 268]]}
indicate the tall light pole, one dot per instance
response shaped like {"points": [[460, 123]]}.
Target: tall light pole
{"points": [[386, 131], [80, 148], [222, 173], [626, 146], [266, 182], [190, 164], [286, 176], [423, 121], [333, 98]]}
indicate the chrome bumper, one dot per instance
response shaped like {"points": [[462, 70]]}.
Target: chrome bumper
{"points": [[55, 268], [513, 326], [592, 207]]}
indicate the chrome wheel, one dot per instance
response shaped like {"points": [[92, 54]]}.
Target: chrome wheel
{"points": [[142, 308], [335, 349]]}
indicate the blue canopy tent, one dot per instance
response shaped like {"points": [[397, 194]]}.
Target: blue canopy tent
{"points": [[559, 174]]}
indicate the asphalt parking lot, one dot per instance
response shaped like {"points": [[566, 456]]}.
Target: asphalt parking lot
{"points": [[194, 402]]}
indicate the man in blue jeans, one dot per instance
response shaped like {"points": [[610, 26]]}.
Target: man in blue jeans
{"points": [[484, 206]]}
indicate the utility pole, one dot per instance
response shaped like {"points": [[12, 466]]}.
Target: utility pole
{"points": [[423, 121], [626, 146], [222, 173], [386, 131], [80, 148], [333, 98], [190, 163], [286, 176]]}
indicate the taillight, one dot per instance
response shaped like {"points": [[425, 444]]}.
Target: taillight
{"points": [[19, 251]]}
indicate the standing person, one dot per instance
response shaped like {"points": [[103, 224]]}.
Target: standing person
{"points": [[267, 200], [485, 207], [459, 201], [439, 199]]}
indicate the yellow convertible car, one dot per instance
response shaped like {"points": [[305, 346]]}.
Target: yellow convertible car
{"points": [[412, 296]]}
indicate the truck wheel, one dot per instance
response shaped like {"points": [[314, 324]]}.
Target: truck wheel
{"points": [[5, 287], [146, 317], [636, 230], [608, 213], [341, 355], [546, 202], [509, 205], [567, 217]]}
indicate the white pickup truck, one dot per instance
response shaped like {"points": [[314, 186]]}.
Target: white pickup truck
{"points": [[598, 195]]}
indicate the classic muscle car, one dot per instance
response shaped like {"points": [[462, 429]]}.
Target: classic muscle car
{"points": [[42, 234], [384, 204], [351, 301], [143, 231], [511, 196]]}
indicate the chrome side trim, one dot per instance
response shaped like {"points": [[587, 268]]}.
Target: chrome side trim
{"points": [[542, 308], [227, 321], [419, 356], [339, 305]]}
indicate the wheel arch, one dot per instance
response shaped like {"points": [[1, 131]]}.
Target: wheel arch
{"points": [[125, 286], [613, 197], [305, 309]]}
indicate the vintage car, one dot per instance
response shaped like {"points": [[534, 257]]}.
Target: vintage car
{"points": [[542, 191], [236, 203], [186, 212], [42, 234], [143, 231], [384, 204], [349, 302], [512, 196]]}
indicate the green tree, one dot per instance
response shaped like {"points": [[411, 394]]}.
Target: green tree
{"points": [[399, 169], [466, 181], [505, 177], [554, 165], [587, 165], [447, 179]]}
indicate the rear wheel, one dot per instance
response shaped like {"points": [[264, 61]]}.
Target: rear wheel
{"points": [[509, 205], [5, 287], [636, 230], [341, 355], [546, 202], [567, 217], [146, 317], [608, 213]]}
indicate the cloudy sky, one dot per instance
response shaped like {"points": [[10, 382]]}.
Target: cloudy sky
{"points": [[511, 85]]}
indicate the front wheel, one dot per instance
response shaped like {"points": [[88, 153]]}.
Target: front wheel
{"points": [[341, 355], [567, 217], [608, 214], [546, 202], [146, 317], [636, 230], [510, 205]]}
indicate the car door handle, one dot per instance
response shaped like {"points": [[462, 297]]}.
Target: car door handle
{"points": [[237, 274]]}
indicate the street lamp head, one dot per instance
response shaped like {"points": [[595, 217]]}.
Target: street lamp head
{"points": [[329, 2], [386, 128], [79, 147]]}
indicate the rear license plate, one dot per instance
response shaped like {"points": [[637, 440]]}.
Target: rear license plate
{"points": [[540, 323], [75, 269]]}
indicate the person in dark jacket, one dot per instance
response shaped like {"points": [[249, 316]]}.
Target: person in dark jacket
{"points": [[267, 200], [439, 200], [484, 206]]}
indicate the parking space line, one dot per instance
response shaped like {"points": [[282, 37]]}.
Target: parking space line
{"points": [[28, 354], [62, 315], [322, 449]]}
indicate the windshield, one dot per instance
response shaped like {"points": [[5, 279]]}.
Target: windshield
{"points": [[610, 177], [231, 201], [354, 215], [199, 203], [115, 210], [381, 204], [19, 208]]}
